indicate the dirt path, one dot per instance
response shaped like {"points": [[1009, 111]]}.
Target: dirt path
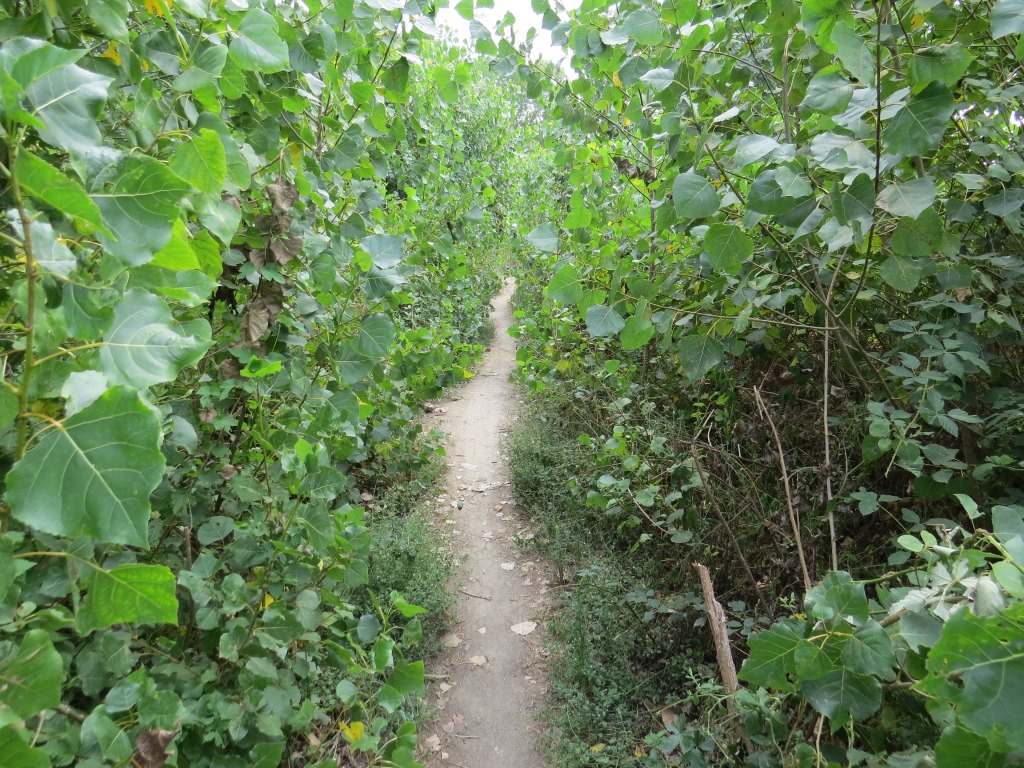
{"points": [[495, 681]]}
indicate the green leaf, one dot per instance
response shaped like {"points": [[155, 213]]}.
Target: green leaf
{"points": [[67, 100], [908, 199], [178, 253], [30, 677], [749, 149], [110, 17], [408, 678], [201, 161], [145, 346], [829, 92], [376, 333], [603, 321], [771, 658], [699, 353], [92, 475], [47, 184], [404, 607], [386, 251], [838, 599], [792, 184], [139, 199], [544, 238], [257, 46], [918, 127], [9, 407], [856, 53], [728, 247], [578, 218], [844, 692], [129, 594], [694, 196], [368, 628], [918, 237], [266, 755], [870, 652], [204, 70], [901, 272], [984, 659], [18, 754], [637, 331], [946, 63], [1005, 202], [643, 26], [658, 78], [959, 748], [1007, 18], [221, 217], [565, 287], [920, 629]]}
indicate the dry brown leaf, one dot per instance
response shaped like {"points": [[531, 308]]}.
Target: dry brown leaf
{"points": [[151, 748], [477, 661], [524, 627]]}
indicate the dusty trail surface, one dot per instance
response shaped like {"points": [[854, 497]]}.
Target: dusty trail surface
{"points": [[491, 680]]}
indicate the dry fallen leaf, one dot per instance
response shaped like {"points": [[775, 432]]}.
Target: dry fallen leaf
{"points": [[433, 743], [451, 640], [508, 566], [448, 727], [524, 627], [445, 687], [482, 630], [151, 748], [477, 661]]}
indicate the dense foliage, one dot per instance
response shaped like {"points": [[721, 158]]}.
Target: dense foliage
{"points": [[779, 297], [233, 261]]}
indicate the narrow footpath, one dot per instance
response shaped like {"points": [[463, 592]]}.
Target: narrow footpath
{"points": [[491, 681]]}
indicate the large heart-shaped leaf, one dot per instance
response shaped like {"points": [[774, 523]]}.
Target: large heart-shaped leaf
{"points": [[603, 321], [918, 127], [145, 345], [376, 333], [564, 287], [138, 197], [842, 694], [699, 353], [386, 251], [544, 238], [92, 475], [909, 198], [728, 247], [132, 593], [1007, 18], [201, 161], [258, 46], [694, 197]]}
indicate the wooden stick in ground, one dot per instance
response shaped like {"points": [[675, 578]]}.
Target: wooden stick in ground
{"points": [[720, 635]]}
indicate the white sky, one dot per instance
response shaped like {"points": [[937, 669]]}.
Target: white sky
{"points": [[525, 20]]}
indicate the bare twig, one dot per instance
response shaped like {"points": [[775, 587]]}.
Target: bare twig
{"points": [[728, 529], [794, 521], [826, 387], [470, 594]]}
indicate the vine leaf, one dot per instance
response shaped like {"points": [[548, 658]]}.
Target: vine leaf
{"points": [[145, 346], [30, 678], [132, 593], [694, 196], [205, 69], [138, 197], [92, 475], [698, 354], [771, 658]]}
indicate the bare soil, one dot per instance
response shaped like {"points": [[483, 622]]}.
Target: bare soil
{"points": [[491, 681]]}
